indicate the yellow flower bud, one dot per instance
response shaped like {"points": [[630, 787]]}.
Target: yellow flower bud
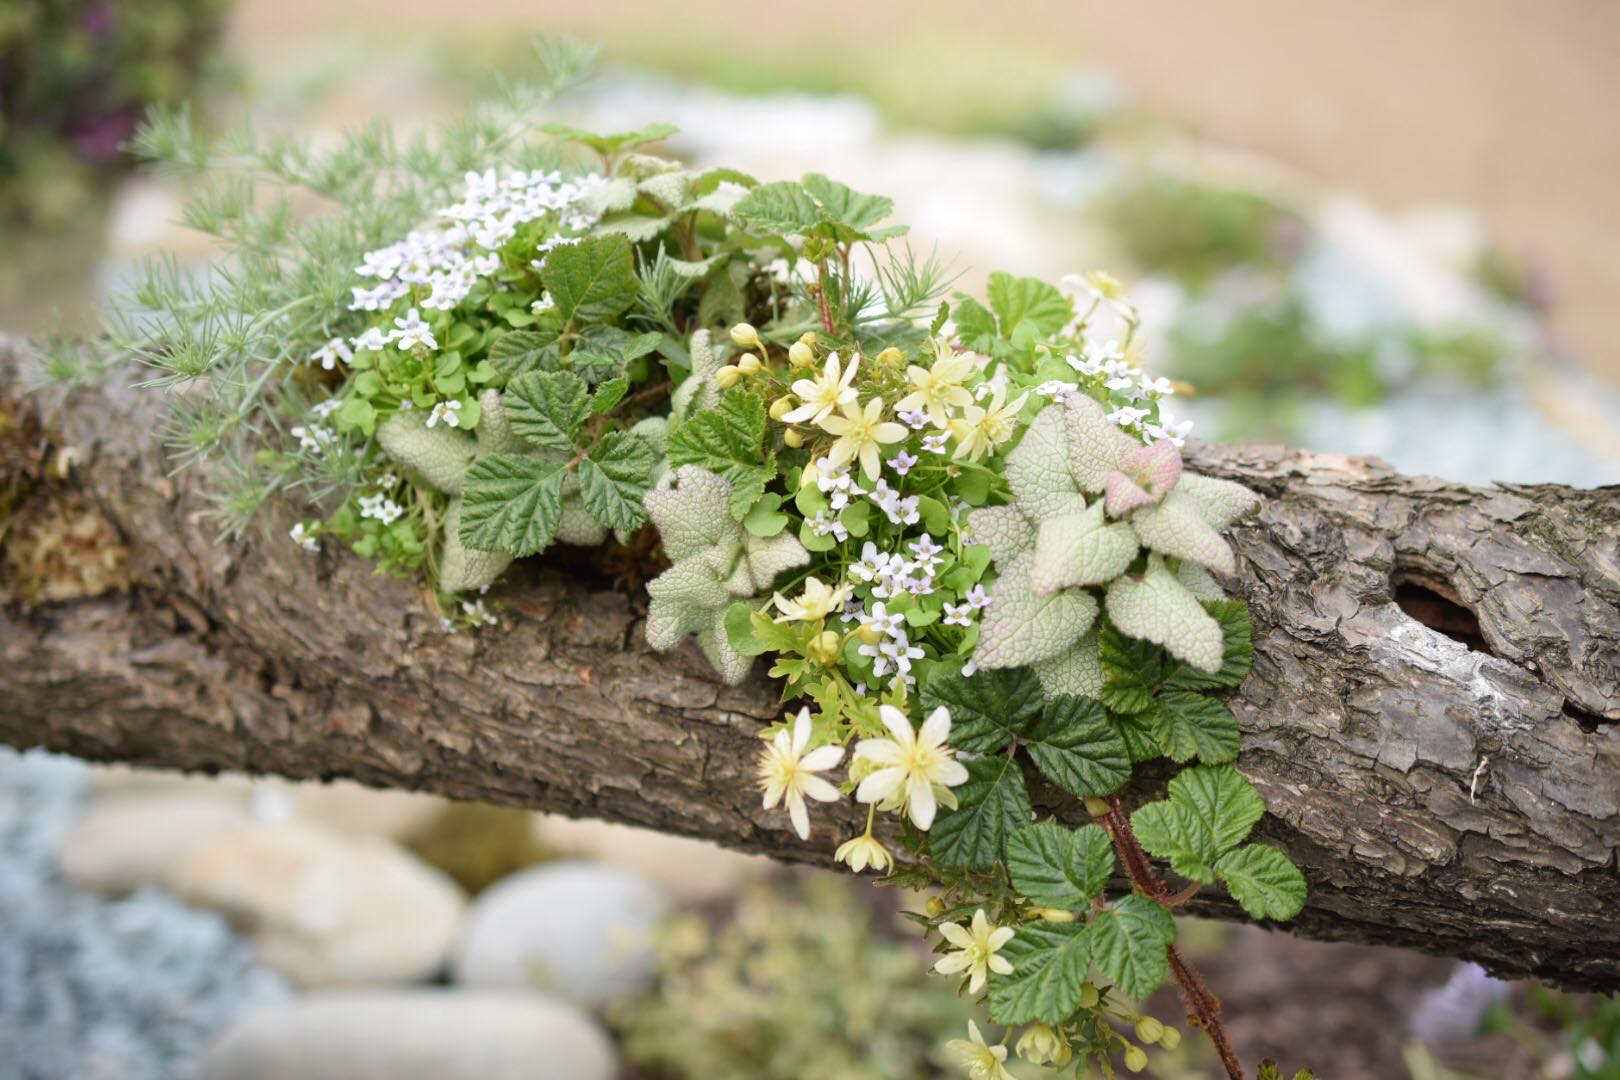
{"points": [[727, 376], [1135, 1058], [749, 364], [745, 335], [826, 646], [1149, 1030], [891, 355], [1096, 807], [781, 407], [1040, 1045], [936, 907], [808, 337], [801, 355], [1057, 915], [794, 438], [869, 634], [1089, 996], [1170, 1039]]}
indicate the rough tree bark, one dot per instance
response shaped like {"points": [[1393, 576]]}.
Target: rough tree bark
{"points": [[1456, 792]]}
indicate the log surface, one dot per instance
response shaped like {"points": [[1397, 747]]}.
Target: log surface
{"points": [[1456, 792]]}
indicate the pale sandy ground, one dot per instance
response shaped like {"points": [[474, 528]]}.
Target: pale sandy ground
{"points": [[1500, 105]]}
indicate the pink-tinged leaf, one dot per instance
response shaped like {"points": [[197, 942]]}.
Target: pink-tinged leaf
{"points": [[1122, 495], [1155, 468]]}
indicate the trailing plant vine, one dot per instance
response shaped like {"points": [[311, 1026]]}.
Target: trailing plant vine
{"points": [[961, 531]]}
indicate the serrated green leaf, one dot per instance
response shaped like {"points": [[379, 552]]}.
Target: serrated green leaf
{"points": [[1263, 881], [591, 281], [1050, 964], [1075, 746], [729, 441], [1128, 943], [990, 805], [781, 207], [1237, 651], [1134, 670], [1172, 831], [511, 503], [1225, 805], [975, 325], [1057, 867], [609, 394], [1136, 729], [547, 407], [522, 351], [1027, 308], [987, 711], [1192, 725], [613, 479]]}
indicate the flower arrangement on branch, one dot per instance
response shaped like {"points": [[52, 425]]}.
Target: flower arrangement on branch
{"points": [[960, 532]]}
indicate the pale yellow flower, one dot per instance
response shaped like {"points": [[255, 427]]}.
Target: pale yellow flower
{"points": [[787, 772], [911, 766], [820, 396], [981, 1061], [1041, 1045], [862, 433], [938, 388], [975, 951], [816, 602], [979, 430], [864, 851]]}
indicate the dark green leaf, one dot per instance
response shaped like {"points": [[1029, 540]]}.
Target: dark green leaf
{"points": [[1263, 880], [1077, 748], [1133, 670], [1172, 831], [1058, 867], [987, 711], [729, 440], [1128, 943], [975, 325], [614, 477], [1188, 724], [511, 502], [547, 407], [522, 351], [991, 804], [1225, 804], [1137, 732], [609, 394], [1050, 964], [591, 281]]}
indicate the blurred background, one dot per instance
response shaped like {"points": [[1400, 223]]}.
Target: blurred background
{"points": [[1384, 228]]}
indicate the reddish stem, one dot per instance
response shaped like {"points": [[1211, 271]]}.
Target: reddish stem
{"points": [[1203, 1008]]}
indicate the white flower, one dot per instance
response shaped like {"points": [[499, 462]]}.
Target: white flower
{"points": [[903, 462], [982, 1061], [373, 339], [380, 507], [828, 391], [304, 536], [938, 388], [329, 354], [411, 331], [975, 952], [836, 483], [981, 429], [864, 851], [1126, 415], [958, 614], [446, 412], [1169, 428], [977, 598], [787, 773], [477, 613], [900, 653], [822, 525], [911, 764], [1057, 388], [1161, 386], [871, 563], [926, 552], [934, 444], [860, 434], [915, 419], [544, 304], [921, 585], [890, 624]]}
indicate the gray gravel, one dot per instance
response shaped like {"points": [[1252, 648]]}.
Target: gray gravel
{"points": [[92, 989]]}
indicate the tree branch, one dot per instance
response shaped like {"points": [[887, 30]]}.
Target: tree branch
{"points": [[1364, 728]]}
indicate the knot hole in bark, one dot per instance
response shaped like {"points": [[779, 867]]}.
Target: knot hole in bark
{"points": [[1437, 605]]}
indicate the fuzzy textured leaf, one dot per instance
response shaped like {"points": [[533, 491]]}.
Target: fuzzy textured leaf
{"points": [[512, 503], [1192, 725], [547, 408], [593, 280], [1156, 607], [1022, 628], [729, 441]]}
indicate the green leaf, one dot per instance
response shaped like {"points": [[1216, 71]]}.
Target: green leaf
{"points": [[1225, 804], [593, 280], [1188, 724], [847, 206], [1137, 730], [614, 477], [548, 407], [1050, 964], [1134, 670], [1128, 943], [1237, 653], [975, 325], [781, 207], [1263, 880], [611, 144], [522, 351], [604, 351], [1028, 308], [987, 711], [729, 441], [609, 394], [511, 502], [1172, 831], [765, 520], [1060, 868], [1074, 746], [740, 629], [991, 804]]}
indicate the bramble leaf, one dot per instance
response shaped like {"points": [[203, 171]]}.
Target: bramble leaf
{"points": [[1263, 881], [1075, 747], [512, 502], [613, 479], [990, 805], [1225, 805], [1056, 867], [988, 710], [1133, 670], [1172, 831], [547, 408], [1128, 942], [1050, 964], [522, 351], [782, 207], [593, 280], [1189, 725], [729, 441]]}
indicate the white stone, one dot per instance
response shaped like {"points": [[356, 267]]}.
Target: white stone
{"points": [[692, 870], [412, 1035], [126, 841], [323, 908], [576, 929], [347, 806]]}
